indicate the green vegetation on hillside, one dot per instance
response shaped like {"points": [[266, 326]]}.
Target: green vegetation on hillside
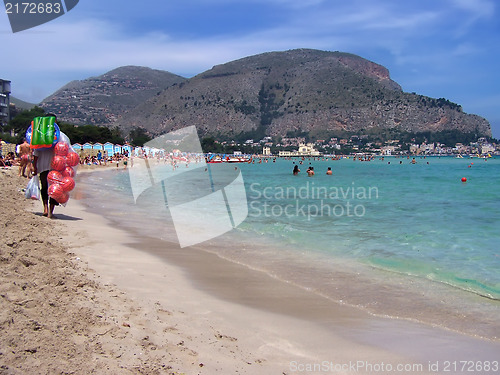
{"points": [[91, 133], [138, 136]]}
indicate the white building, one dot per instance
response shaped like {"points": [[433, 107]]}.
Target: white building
{"points": [[304, 150], [388, 150], [487, 148]]}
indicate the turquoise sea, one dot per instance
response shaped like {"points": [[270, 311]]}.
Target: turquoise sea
{"points": [[385, 235], [418, 219]]}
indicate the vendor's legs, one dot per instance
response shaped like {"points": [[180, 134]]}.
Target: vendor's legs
{"points": [[48, 203]]}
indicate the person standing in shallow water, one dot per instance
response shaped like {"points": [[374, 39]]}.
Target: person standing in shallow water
{"points": [[296, 170], [310, 172], [329, 171]]}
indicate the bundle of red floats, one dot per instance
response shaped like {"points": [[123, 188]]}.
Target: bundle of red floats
{"points": [[63, 170]]}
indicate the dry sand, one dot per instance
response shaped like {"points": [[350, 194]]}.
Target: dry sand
{"points": [[54, 318], [78, 296]]}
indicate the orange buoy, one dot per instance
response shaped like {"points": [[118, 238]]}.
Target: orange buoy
{"points": [[464, 179]]}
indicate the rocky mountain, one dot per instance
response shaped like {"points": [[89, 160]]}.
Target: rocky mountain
{"points": [[101, 100], [276, 93], [303, 90]]}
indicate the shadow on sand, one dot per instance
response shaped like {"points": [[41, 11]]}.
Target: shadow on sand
{"points": [[61, 217]]}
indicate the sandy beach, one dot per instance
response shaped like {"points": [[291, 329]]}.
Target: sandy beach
{"points": [[81, 296], [55, 318]]}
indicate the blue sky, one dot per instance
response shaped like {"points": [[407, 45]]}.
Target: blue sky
{"points": [[444, 48]]}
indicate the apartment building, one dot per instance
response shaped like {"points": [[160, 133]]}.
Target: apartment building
{"points": [[4, 102]]}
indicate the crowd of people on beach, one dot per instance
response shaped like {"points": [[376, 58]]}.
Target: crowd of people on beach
{"points": [[101, 159], [22, 158]]}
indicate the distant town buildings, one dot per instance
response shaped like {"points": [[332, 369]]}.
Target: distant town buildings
{"points": [[294, 147]]}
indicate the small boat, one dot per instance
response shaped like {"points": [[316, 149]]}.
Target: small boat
{"points": [[216, 158], [213, 158], [239, 159]]}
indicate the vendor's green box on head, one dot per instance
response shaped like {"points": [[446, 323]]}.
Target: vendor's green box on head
{"points": [[43, 132]]}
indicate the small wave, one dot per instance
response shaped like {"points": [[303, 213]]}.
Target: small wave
{"points": [[427, 271]]}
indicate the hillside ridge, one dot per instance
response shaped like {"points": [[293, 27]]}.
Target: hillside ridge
{"points": [[102, 99], [274, 93]]}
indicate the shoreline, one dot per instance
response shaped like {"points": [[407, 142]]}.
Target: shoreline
{"points": [[227, 282], [248, 337], [198, 313], [378, 292]]}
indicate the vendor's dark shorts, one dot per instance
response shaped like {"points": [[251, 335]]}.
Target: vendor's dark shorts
{"points": [[44, 189]]}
